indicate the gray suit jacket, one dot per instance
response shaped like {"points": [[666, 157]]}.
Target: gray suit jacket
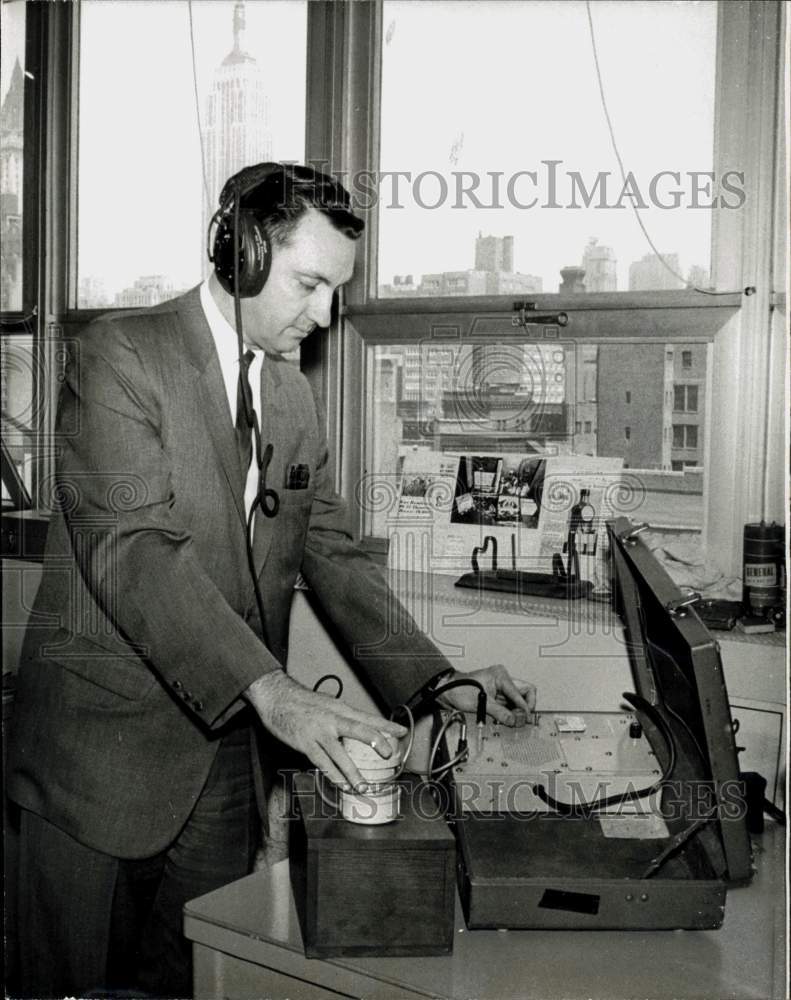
{"points": [[144, 631]]}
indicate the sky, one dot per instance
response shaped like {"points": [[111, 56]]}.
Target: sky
{"points": [[504, 86], [12, 29], [140, 180], [467, 86]]}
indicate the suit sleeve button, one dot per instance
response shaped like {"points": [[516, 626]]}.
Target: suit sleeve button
{"points": [[177, 685], [198, 705]]}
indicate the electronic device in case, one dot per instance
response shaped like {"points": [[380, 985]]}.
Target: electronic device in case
{"points": [[622, 820]]}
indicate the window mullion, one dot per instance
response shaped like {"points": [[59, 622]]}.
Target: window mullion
{"points": [[746, 131]]}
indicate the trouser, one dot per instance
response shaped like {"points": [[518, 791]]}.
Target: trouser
{"points": [[91, 923]]}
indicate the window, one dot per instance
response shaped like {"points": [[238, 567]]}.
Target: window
{"points": [[685, 398], [685, 435], [521, 399], [252, 109], [628, 396], [457, 191], [21, 360], [724, 344], [12, 154], [677, 332], [18, 408]]}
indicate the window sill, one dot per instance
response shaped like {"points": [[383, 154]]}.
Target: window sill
{"points": [[417, 588]]}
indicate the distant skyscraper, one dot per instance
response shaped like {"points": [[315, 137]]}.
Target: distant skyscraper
{"points": [[599, 265], [494, 253], [11, 146], [651, 275], [237, 129]]}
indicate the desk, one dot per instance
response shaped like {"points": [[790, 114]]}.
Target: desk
{"points": [[247, 943]]}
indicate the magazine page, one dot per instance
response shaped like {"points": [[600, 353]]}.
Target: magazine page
{"points": [[533, 509]]}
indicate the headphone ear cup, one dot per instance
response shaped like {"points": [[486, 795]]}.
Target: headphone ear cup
{"points": [[255, 254]]}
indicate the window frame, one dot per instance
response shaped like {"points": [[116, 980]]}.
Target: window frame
{"points": [[747, 112], [29, 319]]}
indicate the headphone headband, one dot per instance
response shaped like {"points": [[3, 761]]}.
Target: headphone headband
{"points": [[246, 180]]}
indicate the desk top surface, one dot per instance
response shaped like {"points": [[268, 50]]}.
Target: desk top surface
{"points": [[255, 919]]}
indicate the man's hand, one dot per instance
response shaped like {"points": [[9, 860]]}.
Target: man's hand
{"points": [[314, 723], [499, 688]]}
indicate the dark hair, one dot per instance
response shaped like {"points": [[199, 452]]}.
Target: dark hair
{"points": [[285, 195]]}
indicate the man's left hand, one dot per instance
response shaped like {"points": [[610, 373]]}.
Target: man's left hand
{"points": [[502, 694]]}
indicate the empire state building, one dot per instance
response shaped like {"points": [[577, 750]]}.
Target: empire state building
{"points": [[237, 129]]}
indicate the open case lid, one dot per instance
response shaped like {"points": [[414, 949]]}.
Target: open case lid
{"points": [[676, 665]]}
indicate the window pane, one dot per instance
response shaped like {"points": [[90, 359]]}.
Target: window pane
{"points": [[530, 399], [12, 142], [17, 380], [144, 210], [497, 169]]}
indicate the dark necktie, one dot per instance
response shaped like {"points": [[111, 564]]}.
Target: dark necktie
{"points": [[244, 432]]}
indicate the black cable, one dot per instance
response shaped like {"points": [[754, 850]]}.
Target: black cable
{"points": [[197, 106], [585, 810], [249, 414], [480, 710], [330, 677], [259, 600], [749, 290], [676, 843]]}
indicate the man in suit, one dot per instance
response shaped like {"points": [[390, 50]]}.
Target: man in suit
{"points": [[154, 654]]}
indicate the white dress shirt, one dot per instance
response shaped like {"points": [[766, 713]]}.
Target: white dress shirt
{"points": [[225, 341]]}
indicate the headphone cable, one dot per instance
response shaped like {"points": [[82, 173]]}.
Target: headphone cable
{"points": [[249, 415]]}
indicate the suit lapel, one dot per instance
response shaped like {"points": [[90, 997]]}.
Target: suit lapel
{"points": [[200, 351]]}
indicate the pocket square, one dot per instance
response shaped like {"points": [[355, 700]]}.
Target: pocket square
{"points": [[298, 477]]}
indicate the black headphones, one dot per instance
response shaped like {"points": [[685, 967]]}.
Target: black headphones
{"points": [[255, 249]]}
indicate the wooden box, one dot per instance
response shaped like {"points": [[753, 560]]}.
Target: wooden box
{"points": [[372, 890]]}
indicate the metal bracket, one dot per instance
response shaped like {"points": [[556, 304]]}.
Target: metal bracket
{"points": [[629, 537], [481, 550], [678, 609]]}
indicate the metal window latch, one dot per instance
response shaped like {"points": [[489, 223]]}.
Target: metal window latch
{"points": [[525, 314]]}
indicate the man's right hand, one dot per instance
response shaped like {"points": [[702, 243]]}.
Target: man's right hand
{"points": [[314, 723]]}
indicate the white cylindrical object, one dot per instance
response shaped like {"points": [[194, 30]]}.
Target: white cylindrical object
{"points": [[381, 802], [371, 808]]}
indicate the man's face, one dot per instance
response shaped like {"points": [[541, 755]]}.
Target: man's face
{"points": [[315, 260]]}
